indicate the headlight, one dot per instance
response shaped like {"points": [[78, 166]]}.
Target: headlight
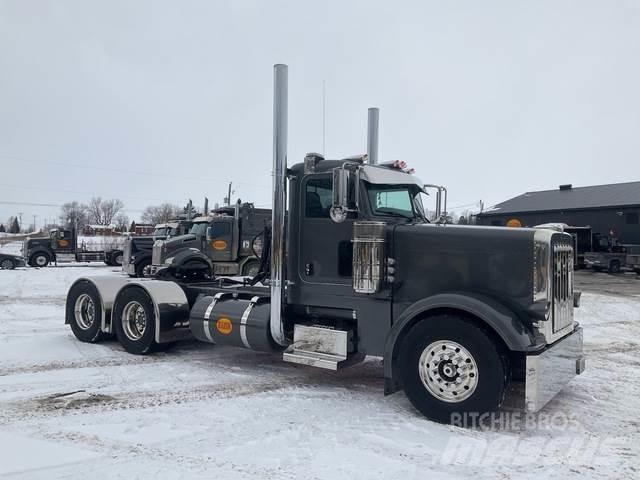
{"points": [[541, 252], [169, 260]]}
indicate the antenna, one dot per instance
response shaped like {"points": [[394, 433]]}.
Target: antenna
{"points": [[324, 119]]}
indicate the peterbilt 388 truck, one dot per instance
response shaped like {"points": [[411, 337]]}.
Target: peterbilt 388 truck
{"points": [[459, 314], [137, 251], [220, 243]]}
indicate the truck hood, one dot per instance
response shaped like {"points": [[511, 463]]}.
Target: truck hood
{"points": [[182, 241], [433, 259]]}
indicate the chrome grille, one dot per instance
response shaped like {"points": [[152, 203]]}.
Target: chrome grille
{"points": [[156, 252], [562, 286]]}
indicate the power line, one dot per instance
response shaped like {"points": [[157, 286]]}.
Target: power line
{"points": [[35, 204], [135, 172]]}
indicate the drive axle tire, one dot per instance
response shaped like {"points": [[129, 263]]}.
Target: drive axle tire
{"points": [[116, 259], [450, 366], [134, 321], [84, 312], [40, 259], [614, 266]]}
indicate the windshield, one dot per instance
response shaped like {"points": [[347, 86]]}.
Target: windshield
{"points": [[199, 228], [396, 200], [160, 231]]}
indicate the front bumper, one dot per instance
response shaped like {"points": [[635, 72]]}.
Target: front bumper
{"points": [[548, 371], [129, 268]]}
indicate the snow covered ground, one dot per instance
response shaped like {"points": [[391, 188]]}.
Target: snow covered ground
{"points": [[75, 410]]}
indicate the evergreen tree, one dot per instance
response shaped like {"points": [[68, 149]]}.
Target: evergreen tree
{"points": [[2, 230], [132, 228], [15, 226]]}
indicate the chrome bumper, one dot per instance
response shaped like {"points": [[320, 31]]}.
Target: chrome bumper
{"points": [[549, 371], [129, 268]]}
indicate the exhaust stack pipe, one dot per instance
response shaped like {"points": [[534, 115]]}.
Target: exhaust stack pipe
{"points": [[372, 135], [280, 114]]}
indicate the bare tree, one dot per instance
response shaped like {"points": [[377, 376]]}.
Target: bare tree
{"points": [[122, 222], [74, 214], [155, 214], [103, 212]]}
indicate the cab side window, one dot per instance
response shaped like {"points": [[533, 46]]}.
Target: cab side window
{"points": [[318, 198]]}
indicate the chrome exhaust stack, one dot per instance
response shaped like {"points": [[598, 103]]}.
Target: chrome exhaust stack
{"points": [[372, 135], [280, 119]]}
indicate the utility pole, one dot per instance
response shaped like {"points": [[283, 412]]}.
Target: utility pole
{"points": [[229, 195], [20, 223], [34, 223]]}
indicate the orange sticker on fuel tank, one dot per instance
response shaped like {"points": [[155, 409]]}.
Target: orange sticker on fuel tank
{"points": [[224, 326], [219, 245]]}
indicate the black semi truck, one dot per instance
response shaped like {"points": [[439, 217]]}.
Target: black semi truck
{"points": [[224, 242], [63, 244], [137, 251], [459, 314]]}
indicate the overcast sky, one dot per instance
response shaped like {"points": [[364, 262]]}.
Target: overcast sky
{"points": [[152, 101]]}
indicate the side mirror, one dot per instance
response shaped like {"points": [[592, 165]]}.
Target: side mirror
{"points": [[341, 204]]}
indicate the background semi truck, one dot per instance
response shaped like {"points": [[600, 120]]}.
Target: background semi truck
{"points": [[459, 315], [63, 245], [136, 252], [225, 242]]}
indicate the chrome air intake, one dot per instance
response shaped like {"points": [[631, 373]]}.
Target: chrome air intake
{"points": [[368, 256]]}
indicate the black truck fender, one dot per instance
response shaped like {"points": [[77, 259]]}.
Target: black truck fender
{"points": [[188, 256], [497, 317]]}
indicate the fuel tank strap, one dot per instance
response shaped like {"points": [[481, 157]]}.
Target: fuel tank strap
{"points": [[243, 321], [207, 314]]}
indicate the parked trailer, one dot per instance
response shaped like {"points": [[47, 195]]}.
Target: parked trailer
{"points": [[458, 314]]}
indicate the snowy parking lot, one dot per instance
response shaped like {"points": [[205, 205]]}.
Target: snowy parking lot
{"points": [[76, 410]]}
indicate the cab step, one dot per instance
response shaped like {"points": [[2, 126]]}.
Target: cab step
{"points": [[319, 346]]}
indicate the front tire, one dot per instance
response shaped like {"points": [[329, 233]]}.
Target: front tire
{"points": [[40, 259], [614, 267], [84, 312], [134, 321], [450, 366], [141, 266], [251, 268]]}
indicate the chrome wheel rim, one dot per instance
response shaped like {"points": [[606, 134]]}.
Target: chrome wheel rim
{"points": [[41, 260], [118, 260], [448, 371], [85, 311], [134, 320], [6, 264]]}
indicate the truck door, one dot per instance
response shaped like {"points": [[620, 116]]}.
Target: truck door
{"points": [[325, 255], [220, 240], [62, 241]]}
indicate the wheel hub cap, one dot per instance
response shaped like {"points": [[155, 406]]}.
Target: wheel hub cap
{"points": [[448, 371], [134, 321], [85, 311]]}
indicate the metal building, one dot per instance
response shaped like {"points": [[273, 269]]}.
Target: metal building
{"points": [[610, 210]]}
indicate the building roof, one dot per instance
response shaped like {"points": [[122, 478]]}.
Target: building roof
{"points": [[567, 197]]}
